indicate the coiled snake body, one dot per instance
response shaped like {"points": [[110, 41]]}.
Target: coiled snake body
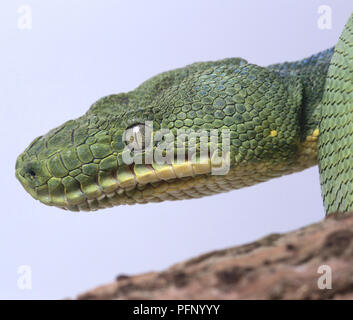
{"points": [[281, 119]]}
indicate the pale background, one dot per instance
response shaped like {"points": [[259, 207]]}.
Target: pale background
{"points": [[78, 51]]}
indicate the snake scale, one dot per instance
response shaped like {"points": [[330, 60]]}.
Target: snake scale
{"points": [[280, 119]]}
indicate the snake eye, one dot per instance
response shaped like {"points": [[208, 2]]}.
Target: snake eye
{"points": [[134, 137]]}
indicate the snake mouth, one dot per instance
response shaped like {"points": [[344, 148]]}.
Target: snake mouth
{"points": [[137, 183], [101, 173]]}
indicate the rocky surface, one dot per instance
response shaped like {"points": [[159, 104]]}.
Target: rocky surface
{"points": [[279, 266]]}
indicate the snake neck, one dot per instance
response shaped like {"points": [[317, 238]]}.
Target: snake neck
{"points": [[312, 72]]}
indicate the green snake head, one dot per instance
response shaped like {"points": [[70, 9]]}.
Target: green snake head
{"points": [[88, 163]]}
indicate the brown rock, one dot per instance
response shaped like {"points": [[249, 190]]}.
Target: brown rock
{"points": [[275, 267]]}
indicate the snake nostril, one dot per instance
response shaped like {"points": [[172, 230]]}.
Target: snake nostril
{"points": [[31, 173]]}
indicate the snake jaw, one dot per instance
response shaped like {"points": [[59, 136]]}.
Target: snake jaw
{"points": [[136, 183]]}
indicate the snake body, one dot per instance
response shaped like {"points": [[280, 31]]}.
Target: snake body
{"points": [[281, 119]]}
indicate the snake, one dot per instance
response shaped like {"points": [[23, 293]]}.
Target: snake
{"points": [[278, 119]]}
